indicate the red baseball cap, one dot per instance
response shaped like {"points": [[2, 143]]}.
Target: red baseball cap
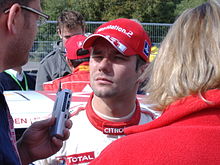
{"points": [[126, 35], [74, 49]]}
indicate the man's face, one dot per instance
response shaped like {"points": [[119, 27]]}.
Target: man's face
{"points": [[66, 33], [111, 73], [25, 35]]}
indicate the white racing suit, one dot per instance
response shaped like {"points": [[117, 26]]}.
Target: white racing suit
{"points": [[90, 134]]}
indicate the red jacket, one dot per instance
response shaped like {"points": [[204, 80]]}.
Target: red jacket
{"points": [[76, 81], [188, 133]]}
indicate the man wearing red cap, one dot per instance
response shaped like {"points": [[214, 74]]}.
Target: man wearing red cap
{"points": [[119, 53], [53, 65], [78, 60]]}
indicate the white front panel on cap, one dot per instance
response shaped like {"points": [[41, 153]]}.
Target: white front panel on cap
{"points": [[121, 47]]}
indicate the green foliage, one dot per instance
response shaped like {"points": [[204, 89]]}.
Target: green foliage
{"points": [[159, 11], [186, 4], [156, 11], [55, 7], [116, 9], [90, 9]]}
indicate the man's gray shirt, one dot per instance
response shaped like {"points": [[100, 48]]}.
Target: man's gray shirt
{"points": [[52, 66]]}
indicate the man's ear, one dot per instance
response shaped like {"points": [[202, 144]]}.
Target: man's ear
{"points": [[142, 73], [59, 33], [14, 16], [69, 63]]}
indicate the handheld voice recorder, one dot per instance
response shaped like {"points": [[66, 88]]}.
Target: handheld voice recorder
{"points": [[61, 112]]}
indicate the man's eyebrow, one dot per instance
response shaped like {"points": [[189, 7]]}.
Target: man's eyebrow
{"points": [[115, 51], [70, 35]]}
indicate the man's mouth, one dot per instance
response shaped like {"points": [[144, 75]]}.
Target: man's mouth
{"points": [[103, 80]]}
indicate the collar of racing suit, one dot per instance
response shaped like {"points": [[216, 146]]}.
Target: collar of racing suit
{"points": [[83, 67], [111, 127]]}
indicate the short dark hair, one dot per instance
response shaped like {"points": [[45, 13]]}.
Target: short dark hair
{"points": [[75, 63], [4, 4], [70, 20], [139, 62]]}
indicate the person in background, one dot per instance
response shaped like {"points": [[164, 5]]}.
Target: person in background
{"points": [[120, 52], [54, 65], [185, 85], [17, 79], [154, 52], [19, 17], [78, 60]]}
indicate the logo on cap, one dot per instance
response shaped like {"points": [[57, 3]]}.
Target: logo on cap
{"points": [[146, 48], [80, 43], [118, 28]]}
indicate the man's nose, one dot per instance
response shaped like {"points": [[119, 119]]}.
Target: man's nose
{"points": [[105, 65]]}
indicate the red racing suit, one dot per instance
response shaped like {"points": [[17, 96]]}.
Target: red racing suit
{"points": [[77, 81], [90, 134]]}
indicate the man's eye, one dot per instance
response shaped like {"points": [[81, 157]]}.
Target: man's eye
{"points": [[67, 37], [97, 56], [120, 57]]}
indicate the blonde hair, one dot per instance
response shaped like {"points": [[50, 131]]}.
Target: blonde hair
{"points": [[189, 57]]}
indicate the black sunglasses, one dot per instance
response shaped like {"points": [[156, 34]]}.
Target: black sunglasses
{"points": [[43, 17]]}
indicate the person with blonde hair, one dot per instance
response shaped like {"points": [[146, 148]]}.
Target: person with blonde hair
{"points": [[184, 84], [188, 61]]}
